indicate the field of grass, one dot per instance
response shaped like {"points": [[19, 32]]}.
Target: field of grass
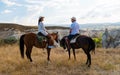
{"points": [[104, 62]]}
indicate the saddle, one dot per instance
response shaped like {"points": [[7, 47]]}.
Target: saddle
{"points": [[41, 38], [73, 40]]}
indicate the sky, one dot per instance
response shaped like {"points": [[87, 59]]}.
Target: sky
{"points": [[58, 12]]}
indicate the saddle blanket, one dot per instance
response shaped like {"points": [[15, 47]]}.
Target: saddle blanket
{"points": [[41, 38], [73, 40]]}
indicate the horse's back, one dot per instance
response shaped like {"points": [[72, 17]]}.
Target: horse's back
{"points": [[87, 41], [31, 34], [30, 37]]}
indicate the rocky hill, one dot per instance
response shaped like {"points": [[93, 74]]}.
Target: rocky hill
{"points": [[11, 29], [12, 26], [16, 30]]}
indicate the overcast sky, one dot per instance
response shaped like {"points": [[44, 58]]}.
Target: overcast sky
{"points": [[27, 12]]}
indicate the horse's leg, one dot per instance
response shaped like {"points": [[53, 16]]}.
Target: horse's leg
{"points": [[74, 54], [88, 59], [28, 53], [48, 52], [69, 53], [87, 53]]}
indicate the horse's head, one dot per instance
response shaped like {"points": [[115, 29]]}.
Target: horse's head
{"points": [[55, 36], [63, 43]]}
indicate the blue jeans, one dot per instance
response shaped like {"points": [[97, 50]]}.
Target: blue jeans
{"points": [[71, 36]]}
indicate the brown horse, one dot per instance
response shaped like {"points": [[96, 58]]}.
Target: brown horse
{"points": [[30, 40], [84, 42]]}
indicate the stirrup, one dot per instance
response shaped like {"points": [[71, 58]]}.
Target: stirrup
{"points": [[51, 47]]}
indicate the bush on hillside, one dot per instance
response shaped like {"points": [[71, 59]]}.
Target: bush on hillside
{"points": [[10, 40], [1, 42], [98, 42]]}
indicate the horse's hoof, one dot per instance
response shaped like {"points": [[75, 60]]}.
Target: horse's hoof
{"points": [[86, 63], [48, 62], [89, 66], [68, 59], [30, 60], [33, 62]]}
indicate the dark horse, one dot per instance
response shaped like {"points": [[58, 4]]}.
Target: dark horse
{"points": [[84, 42], [30, 40]]}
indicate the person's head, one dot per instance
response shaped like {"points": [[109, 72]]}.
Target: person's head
{"points": [[41, 18], [73, 19]]}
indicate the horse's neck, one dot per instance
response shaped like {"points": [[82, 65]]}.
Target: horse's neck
{"points": [[53, 36]]}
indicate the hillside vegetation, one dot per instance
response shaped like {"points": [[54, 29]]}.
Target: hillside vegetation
{"points": [[23, 27], [104, 62]]}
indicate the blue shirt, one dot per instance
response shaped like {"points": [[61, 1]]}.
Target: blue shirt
{"points": [[75, 28]]}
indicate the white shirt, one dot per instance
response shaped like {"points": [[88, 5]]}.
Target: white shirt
{"points": [[75, 28], [42, 29]]}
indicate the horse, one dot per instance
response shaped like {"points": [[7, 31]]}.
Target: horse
{"points": [[30, 40], [82, 41]]}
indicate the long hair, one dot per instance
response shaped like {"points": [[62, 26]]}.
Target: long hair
{"points": [[40, 19]]}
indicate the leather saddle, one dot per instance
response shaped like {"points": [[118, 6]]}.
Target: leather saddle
{"points": [[73, 40], [41, 37]]}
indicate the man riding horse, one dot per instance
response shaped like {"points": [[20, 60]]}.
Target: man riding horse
{"points": [[76, 41], [43, 32], [74, 29]]}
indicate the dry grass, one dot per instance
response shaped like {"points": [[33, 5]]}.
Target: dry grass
{"points": [[104, 62]]}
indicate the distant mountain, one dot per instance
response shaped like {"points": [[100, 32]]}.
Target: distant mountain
{"points": [[100, 26], [91, 26]]}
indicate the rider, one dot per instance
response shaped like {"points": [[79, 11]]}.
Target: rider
{"points": [[74, 29], [43, 31]]}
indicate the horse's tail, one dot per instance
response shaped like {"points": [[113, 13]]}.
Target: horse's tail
{"points": [[21, 45], [92, 45]]}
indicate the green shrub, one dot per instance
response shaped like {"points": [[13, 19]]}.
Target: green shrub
{"points": [[10, 40], [1, 41], [98, 42]]}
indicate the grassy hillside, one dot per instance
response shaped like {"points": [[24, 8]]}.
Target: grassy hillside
{"points": [[23, 27], [15, 26], [104, 62]]}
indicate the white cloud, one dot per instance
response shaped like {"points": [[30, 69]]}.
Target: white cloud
{"points": [[60, 11], [6, 11], [104, 11], [10, 3], [34, 8], [34, 1]]}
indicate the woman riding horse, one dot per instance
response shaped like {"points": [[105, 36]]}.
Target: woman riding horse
{"points": [[42, 31], [31, 40]]}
